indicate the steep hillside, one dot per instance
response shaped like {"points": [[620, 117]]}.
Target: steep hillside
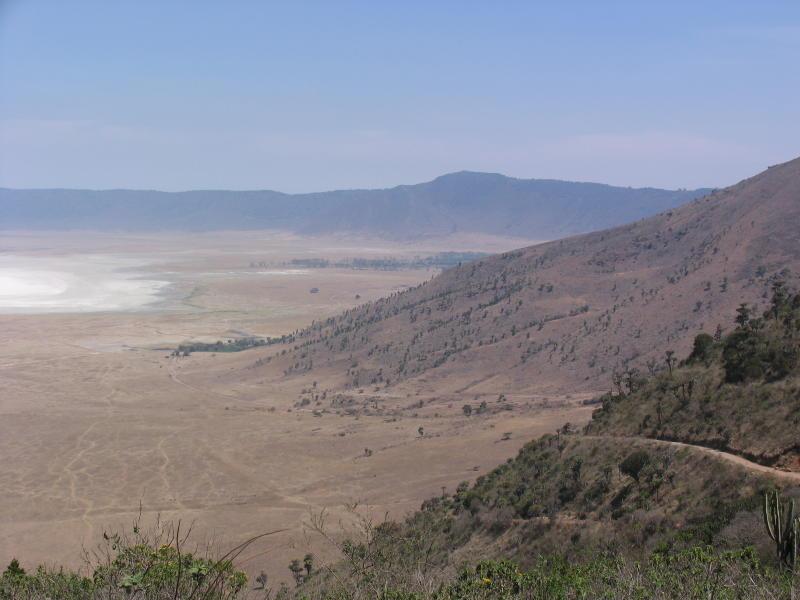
{"points": [[564, 315], [460, 202], [569, 499], [739, 393]]}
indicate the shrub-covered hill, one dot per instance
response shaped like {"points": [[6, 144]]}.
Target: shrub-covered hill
{"points": [[739, 392], [576, 495], [622, 487], [564, 510], [695, 574]]}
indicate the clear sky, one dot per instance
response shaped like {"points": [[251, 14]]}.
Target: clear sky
{"points": [[307, 96]]}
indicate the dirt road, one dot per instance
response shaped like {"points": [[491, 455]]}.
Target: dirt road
{"points": [[733, 458]]}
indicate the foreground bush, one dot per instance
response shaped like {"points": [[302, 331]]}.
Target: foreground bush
{"points": [[155, 567], [139, 566], [697, 573]]}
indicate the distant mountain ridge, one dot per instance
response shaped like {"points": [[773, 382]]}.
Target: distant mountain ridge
{"points": [[458, 202]]}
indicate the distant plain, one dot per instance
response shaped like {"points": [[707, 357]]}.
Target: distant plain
{"points": [[97, 419]]}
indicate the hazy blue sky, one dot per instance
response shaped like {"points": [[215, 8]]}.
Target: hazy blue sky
{"points": [[304, 96]]}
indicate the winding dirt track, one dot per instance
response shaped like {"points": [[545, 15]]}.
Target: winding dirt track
{"points": [[733, 458]]}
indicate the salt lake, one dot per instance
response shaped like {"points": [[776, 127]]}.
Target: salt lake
{"points": [[75, 283]]}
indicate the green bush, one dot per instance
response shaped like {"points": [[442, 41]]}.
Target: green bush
{"points": [[148, 567], [743, 356], [633, 464], [701, 350], [695, 573]]}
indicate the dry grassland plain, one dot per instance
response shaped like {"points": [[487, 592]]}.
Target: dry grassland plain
{"points": [[98, 420]]}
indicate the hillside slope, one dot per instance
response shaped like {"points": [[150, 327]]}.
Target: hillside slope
{"points": [[739, 393], [568, 499], [615, 488], [563, 316], [459, 202]]}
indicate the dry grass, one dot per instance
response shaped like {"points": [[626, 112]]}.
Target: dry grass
{"points": [[95, 419]]}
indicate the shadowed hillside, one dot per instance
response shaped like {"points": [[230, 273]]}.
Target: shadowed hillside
{"points": [[566, 314], [460, 202]]}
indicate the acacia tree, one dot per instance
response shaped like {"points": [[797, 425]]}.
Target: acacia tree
{"points": [[669, 358]]}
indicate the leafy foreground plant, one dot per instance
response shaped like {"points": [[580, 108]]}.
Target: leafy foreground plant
{"points": [[696, 573], [141, 566], [391, 562]]}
